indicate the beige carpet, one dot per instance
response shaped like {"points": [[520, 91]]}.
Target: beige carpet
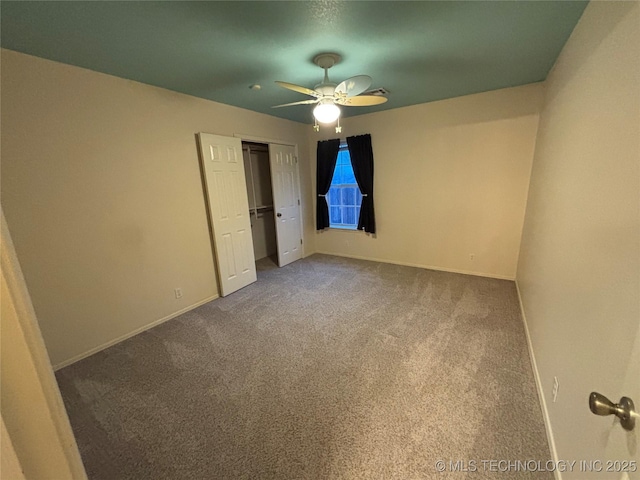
{"points": [[328, 368]]}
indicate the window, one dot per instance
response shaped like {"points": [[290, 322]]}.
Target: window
{"points": [[344, 197]]}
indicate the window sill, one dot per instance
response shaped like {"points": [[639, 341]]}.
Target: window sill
{"points": [[341, 227]]}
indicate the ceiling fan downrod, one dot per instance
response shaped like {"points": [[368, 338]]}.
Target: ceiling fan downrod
{"points": [[326, 61]]}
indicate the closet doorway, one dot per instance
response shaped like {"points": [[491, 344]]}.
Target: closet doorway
{"points": [[271, 175], [257, 173], [251, 191]]}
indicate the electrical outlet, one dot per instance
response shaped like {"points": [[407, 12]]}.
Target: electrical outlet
{"points": [[472, 256], [178, 292], [556, 385]]}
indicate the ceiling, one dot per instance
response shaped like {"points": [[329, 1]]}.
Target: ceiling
{"points": [[420, 51]]}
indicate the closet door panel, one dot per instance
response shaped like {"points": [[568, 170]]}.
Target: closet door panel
{"points": [[228, 210], [284, 170]]}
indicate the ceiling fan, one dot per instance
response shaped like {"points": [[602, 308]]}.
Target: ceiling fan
{"points": [[328, 95]]}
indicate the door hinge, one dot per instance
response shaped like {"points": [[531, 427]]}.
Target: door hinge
{"points": [[300, 241], [295, 159], [298, 201]]}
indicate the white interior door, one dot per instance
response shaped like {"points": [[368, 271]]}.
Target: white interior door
{"points": [[286, 202], [228, 204], [621, 445]]}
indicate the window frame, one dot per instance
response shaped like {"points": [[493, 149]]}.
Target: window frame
{"points": [[341, 187]]}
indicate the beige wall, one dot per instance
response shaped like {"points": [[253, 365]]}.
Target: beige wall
{"points": [[102, 192], [37, 442], [579, 267], [9, 463], [450, 181]]}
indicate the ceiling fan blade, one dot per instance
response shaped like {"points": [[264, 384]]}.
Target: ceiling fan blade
{"points": [[362, 101], [354, 86], [298, 88], [302, 102]]}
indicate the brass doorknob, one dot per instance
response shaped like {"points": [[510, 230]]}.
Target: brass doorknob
{"points": [[625, 410]]}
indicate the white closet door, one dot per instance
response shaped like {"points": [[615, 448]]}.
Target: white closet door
{"points": [[229, 211], [286, 202]]}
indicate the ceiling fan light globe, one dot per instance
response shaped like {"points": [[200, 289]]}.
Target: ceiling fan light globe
{"points": [[326, 112]]}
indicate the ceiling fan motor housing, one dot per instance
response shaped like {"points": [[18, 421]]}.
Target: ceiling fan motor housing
{"points": [[326, 89]]}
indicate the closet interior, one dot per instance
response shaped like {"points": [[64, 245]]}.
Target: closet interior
{"points": [[257, 172]]}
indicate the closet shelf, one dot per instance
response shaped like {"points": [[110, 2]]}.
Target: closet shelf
{"points": [[262, 208]]}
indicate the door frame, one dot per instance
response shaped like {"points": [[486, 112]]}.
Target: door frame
{"points": [[50, 447], [256, 139]]}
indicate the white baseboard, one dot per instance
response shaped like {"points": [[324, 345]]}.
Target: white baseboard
{"points": [[536, 374], [418, 265], [110, 343]]}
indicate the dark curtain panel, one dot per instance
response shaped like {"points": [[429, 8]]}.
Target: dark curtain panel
{"points": [[327, 154], [361, 155]]}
